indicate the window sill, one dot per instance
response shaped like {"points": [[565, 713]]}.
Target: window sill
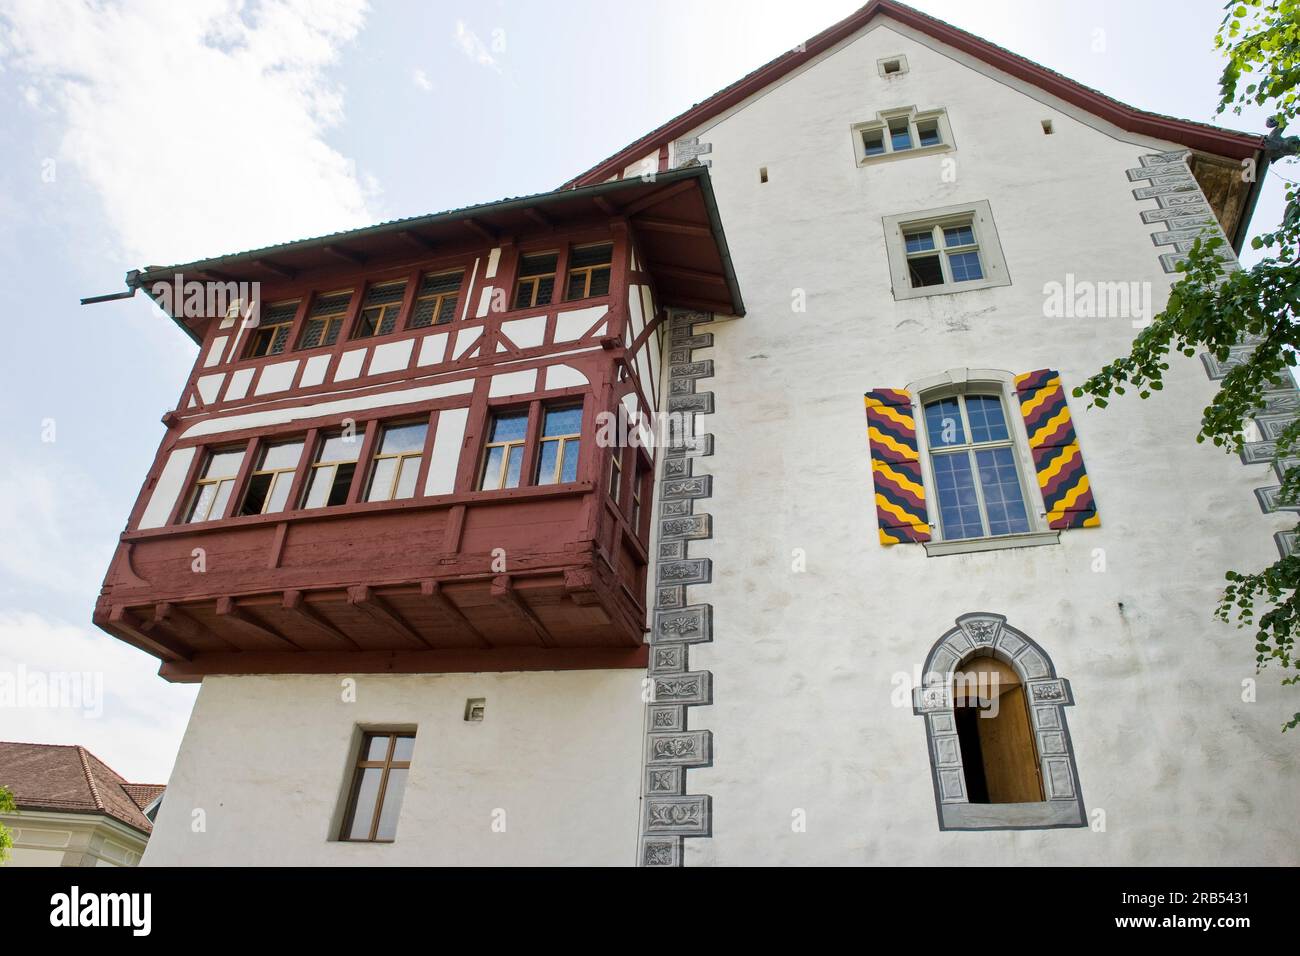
{"points": [[920, 292], [1011, 816], [904, 154], [1033, 539]]}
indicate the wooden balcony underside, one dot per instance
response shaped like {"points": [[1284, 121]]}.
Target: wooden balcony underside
{"points": [[555, 621]]}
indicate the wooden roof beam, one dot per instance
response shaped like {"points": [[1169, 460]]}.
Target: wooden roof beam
{"points": [[234, 615], [364, 599], [480, 229], [414, 239], [176, 622], [433, 593], [677, 227], [294, 603], [122, 619], [506, 597], [284, 272], [347, 255], [693, 275], [539, 217], [655, 198]]}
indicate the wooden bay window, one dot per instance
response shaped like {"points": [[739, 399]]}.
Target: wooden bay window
{"points": [[271, 334]]}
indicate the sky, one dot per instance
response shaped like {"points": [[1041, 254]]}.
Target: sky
{"points": [[155, 132]]}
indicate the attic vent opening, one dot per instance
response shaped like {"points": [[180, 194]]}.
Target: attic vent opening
{"points": [[1047, 127], [762, 174], [892, 66]]}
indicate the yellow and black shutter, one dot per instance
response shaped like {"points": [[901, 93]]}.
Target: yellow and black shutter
{"points": [[896, 467], [1058, 462]]}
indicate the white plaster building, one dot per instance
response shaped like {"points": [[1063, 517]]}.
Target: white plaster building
{"points": [[900, 201]]}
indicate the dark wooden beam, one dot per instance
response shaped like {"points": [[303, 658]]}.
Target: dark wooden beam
{"points": [[605, 206], [368, 602], [539, 217], [284, 272], [423, 243], [655, 198], [448, 661], [347, 255], [294, 603], [580, 584], [176, 622], [433, 593], [677, 227], [486, 232], [238, 618], [123, 620], [505, 595], [701, 305], [693, 275]]}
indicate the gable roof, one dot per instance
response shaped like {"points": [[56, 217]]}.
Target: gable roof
{"points": [[70, 779], [1201, 136]]}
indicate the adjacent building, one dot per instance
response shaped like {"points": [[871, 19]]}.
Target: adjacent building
{"points": [[728, 504], [73, 809]]}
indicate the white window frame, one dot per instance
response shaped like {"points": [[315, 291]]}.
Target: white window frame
{"points": [[909, 114], [980, 381], [978, 216]]}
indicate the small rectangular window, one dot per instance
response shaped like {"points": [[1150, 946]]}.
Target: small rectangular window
{"points": [[332, 471], [435, 300], [378, 785], [503, 454], [379, 309], [900, 133], [639, 492], [325, 319], [615, 473], [927, 132], [561, 433], [271, 334], [873, 142], [268, 486], [940, 251], [536, 280], [212, 491], [589, 271], [397, 462], [944, 254]]}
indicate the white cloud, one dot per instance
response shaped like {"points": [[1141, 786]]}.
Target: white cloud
{"points": [[421, 79], [201, 125], [49, 510], [143, 717], [473, 47]]}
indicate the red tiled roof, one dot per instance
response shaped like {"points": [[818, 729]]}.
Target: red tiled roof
{"points": [[1203, 136], [71, 779]]}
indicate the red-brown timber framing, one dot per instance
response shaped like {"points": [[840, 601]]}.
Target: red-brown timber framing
{"points": [[536, 577], [1196, 136]]}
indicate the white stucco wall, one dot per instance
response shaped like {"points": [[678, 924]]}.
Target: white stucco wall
{"points": [[1184, 770], [267, 761]]}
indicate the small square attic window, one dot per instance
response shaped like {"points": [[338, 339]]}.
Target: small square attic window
{"points": [[892, 66]]}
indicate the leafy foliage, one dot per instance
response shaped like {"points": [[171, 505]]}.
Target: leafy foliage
{"points": [[1219, 312], [7, 805]]}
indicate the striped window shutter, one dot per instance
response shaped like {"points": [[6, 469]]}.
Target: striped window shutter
{"points": [[896, 467], [1058, 461]]}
